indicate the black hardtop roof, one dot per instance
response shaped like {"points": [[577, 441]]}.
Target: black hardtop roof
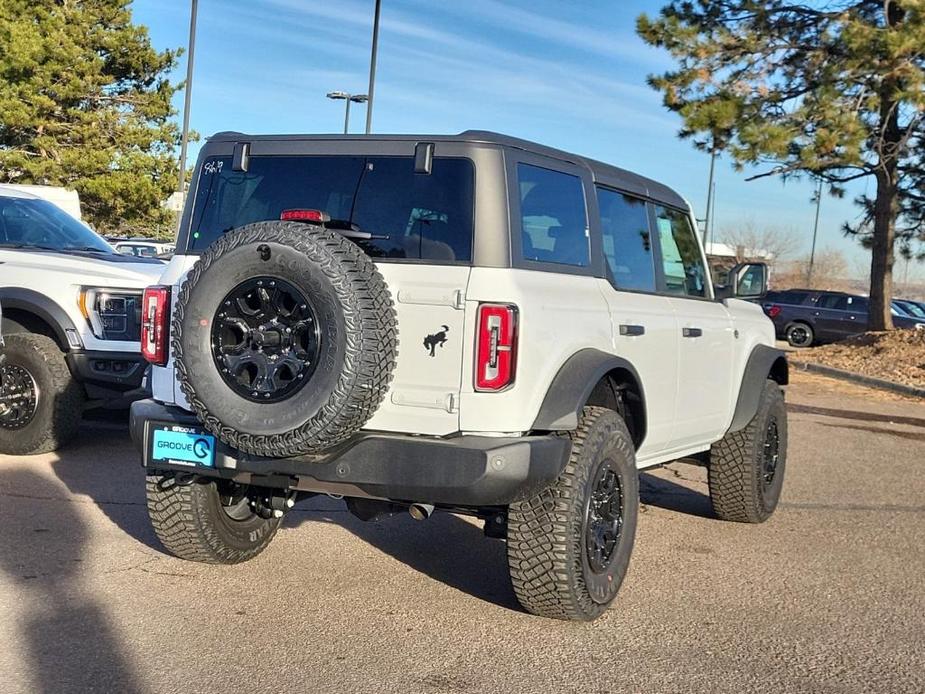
{"points": [[602, 172]]}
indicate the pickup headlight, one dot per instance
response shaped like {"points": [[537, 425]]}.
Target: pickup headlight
{"points": [[113, 314]]}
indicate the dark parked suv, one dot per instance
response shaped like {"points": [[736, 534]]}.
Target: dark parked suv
{"points": [[805, 317]]}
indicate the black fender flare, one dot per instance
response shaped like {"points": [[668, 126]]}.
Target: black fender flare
{"points": [[43, 307], [764, 362], [573, 385]]}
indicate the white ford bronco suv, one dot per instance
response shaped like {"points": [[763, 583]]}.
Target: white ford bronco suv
{"points": [[71, 323], [469, 323]]}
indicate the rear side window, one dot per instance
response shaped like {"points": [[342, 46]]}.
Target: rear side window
{"points": [[405, 215], [834, 301], [788, 297], [627, 240], [852, 303], [554, 221], [681, 260]]}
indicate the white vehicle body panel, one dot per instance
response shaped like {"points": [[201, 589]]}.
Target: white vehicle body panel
{"points": [[59, 277], [654, 354], [558, 316], [690, 396], [704, 370], [424, 395]]}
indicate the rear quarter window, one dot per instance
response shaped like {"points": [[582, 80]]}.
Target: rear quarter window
{"points": [[553, 217]]}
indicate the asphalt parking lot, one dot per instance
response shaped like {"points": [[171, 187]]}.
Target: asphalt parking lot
{"points": [[828, 596]]}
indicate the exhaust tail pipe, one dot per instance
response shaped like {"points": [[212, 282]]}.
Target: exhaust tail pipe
{"points": [[421, 511]]}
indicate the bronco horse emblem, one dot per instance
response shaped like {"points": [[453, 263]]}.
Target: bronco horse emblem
{"points": [[438, 338]]}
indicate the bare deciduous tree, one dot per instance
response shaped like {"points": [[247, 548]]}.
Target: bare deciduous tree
{"points": [[752, 240]]}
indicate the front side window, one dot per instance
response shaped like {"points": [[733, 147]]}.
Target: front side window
{"points": [[683, 266], [627, 240], [390, 211], [554, 221]]}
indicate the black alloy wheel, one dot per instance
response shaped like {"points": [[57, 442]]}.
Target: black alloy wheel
{"points": [[604, 518], [19, 395], [266, 339], [770, 454]]}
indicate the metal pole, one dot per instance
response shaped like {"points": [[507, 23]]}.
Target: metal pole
{"points": [[812, 252], [372, 69], [706, 221], [347, 117], [713, 216], [181, 182]]}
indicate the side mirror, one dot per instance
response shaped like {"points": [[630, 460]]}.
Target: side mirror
{"points": [[745, 281]]}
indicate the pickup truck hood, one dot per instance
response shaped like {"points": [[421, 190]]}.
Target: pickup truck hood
{"points": [[84, 268]]}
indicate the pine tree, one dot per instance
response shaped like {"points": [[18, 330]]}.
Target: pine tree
{"points": [[85, 103], [835, 90]]}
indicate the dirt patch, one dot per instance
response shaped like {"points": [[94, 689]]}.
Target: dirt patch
{"points": [[897, 356]]}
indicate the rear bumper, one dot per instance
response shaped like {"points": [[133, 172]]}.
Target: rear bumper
{"points": [[457, 471]]}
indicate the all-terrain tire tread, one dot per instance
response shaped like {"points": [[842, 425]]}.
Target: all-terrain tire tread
{"points": [[68, 397], [181, 522], [733, 491], [540, 547]]}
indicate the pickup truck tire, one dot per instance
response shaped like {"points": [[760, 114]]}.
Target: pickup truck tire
{"points": [[40, 401], [746, 468], [799, 334], [284, 338], [192, 522], [569, 545]]}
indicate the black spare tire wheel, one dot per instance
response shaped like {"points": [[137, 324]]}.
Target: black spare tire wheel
{"points": [[284, 338]]}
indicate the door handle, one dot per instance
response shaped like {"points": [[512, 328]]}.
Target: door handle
{"points": [[632, 330], [691, 332]]}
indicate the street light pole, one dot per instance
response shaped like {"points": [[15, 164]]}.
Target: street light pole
{"points": [[355, 98], [709, 215], [372, 68], [812, 252], [184, 138]]}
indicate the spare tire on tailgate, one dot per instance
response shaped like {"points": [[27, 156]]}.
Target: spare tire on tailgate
{"points": [[284, 338]]}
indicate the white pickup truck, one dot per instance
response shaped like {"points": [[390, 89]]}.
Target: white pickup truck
{"points": [[71, 323]]}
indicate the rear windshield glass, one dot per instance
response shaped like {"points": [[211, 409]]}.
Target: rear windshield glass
{"points": [[386, 208]]}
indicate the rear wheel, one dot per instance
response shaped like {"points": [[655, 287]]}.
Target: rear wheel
{"points": [[799, 335], [569, 545], [746, 468], [209, 521], [40, 402]]}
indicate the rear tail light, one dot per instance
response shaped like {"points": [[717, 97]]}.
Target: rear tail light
{"points": [[773, 311], [495, 347], [155, 324]]}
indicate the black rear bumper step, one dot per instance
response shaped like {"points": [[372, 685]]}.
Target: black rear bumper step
{"points": [[458, 471]]}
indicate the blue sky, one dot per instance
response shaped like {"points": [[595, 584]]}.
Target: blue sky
{"points": [[567, 74]]}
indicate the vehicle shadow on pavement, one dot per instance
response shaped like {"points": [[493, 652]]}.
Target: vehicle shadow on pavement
{"points": [[447, 548], [671, 496], [102, 465], [65, 635]]}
